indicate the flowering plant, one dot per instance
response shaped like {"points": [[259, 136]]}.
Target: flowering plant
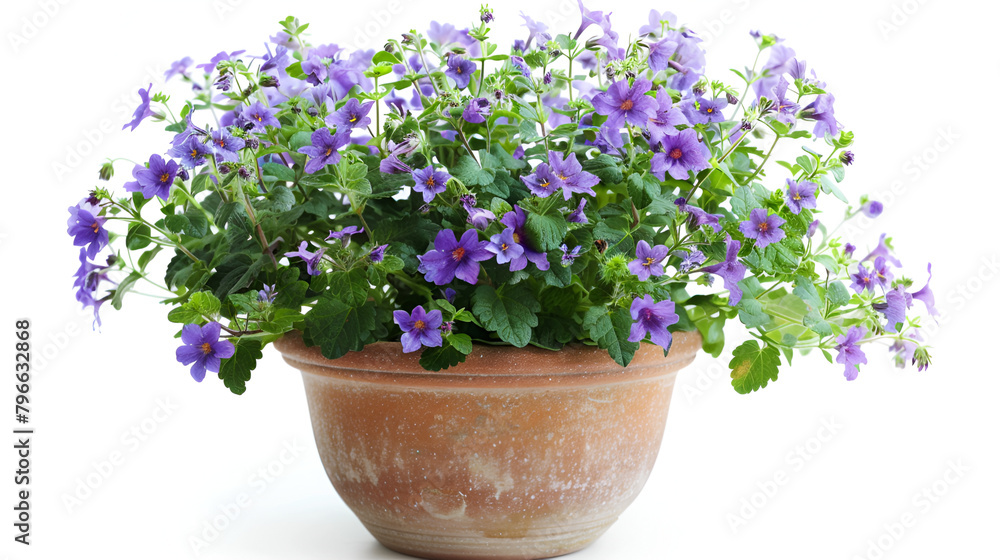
{"points": [[443, 192]]}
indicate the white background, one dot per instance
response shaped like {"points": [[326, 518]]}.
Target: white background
{"points": [[913, 80]]}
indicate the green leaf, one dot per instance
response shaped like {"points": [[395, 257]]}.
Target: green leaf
{"points": [[815, 322], [605, 167], [338, 328], [123, 288], [837, 293], [442, 357], [547, 230], [278, 171], [754, 366], [350, 287], [830, 187], [461, 342], [805, 289], [744, 200], [828, 263], [138, 236], [204, 303], [235, 371], [611, 331], [511, 313], [183, 315], [469, 172]]}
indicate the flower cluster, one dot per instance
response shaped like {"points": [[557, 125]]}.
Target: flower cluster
{"points": [[448, 190]]}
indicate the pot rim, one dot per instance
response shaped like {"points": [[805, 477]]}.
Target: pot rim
{"points": [[575, 364]]}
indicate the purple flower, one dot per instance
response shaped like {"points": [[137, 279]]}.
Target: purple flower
{"points": [[863, 280], [667, 118], [507, 250], [765, 229], [811, 230], [323, 150], [849, 250], [872, 209], [577, 216], [477, 111], [155, 180], [689, 261], [569, 257], [897, 301], [260, 116], [648, 261], [534, 28], [698, 217], [516, 221], [178, 67], [731, 270], [609, 139], [203, 349], [312, 259], [679, 154], [452, 258], [377, 254], [883, 250], [926, 295], [881, 273], [191, 152], [430, 182], [821, 111], [784, 108], [225, 145], [542, 182], [478, 217], [849, 353], [142, 111], [87, 227], [210, 65], [88, 280], [847, 157], [267, 294], [449, 295], [622, 103], [653, 319], [392, 164], [353, 114], [656, 22], [800, 195], [419, 328], [460, 70], [906, 350], [519, 64], [590, 18], [704, 111], [345, 234], [660, 53], [571, 175]]}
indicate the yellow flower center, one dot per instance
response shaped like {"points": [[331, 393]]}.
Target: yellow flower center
{"points": [[329, 151], [457, 254], [676, 153], [504, 246], [206, 348], [709, 110], [649, 262], [626, 105], [517, 238], [419, 325], [164, 177], [429, 182], [95, 227], [763, 227], [354, 118], [259, 118]]}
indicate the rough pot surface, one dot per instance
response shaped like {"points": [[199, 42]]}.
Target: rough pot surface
{"points": [[514, 454]]}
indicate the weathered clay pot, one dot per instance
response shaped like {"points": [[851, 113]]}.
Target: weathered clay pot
{"points": [[515, 454]]}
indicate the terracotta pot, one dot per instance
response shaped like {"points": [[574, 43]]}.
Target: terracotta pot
{"points": [[515, 454]]}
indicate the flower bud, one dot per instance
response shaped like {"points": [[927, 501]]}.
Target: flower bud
{"points": [[243, 172], [224, 168], [388, 47], [107, 171], [731, 99], [253, 143], [183, 174], [269, 81], [847, 157]]}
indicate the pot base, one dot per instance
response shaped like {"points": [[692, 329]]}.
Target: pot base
{"points": [[515, 454]]}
